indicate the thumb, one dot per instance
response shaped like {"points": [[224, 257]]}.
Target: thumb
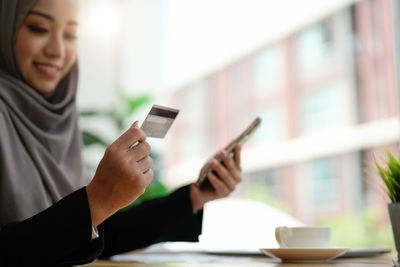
{"points": [[131, 136]]}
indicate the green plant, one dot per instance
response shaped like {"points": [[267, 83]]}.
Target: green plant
{"points": [[363, 228], [389, 172], [120, 115]]}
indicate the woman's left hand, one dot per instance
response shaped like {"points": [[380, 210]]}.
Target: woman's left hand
{"points": [[229, 175]]}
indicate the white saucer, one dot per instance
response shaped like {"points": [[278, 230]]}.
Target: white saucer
{"points": [[304, 254]]}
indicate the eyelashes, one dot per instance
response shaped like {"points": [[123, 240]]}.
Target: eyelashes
{"points": [[37, 29], [70, 36], [41, 30]]}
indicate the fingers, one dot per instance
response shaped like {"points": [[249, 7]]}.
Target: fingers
{"points": [[148, 176], [140, 151], [220, 188], [231, 166], [145, 164], [228, 170], [223, 174], [131, 136], [237, 156]]}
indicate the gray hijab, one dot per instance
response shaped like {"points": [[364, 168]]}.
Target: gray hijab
{"points": [[40, 143]]}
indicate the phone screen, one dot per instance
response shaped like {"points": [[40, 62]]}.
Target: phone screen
{"points": [[202, 181]]}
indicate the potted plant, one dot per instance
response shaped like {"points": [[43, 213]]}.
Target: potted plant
{"points": [[389, 172]]}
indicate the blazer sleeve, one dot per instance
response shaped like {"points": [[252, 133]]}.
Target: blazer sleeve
{"points": [[62, 234], [167, 218], [57, 236]]}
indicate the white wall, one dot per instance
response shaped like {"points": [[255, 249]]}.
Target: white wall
{"points": [[122, 49]]}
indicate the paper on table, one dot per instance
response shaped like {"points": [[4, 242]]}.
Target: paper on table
{"points": [[182, 252], [153, 257]]}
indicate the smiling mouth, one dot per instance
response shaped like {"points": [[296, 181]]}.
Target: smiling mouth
{"points": [[48, 70]]}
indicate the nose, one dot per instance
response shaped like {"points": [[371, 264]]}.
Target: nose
{"points": [[55, 46]]}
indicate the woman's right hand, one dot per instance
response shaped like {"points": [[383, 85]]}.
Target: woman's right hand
{"points": [[122, 175]]}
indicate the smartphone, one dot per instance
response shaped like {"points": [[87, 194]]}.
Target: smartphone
{"points": [[202, 181]]}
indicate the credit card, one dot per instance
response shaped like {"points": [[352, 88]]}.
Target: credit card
{"points": [[158, 121]]}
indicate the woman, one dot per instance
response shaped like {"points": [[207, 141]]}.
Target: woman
{"points": [[51, 211]]}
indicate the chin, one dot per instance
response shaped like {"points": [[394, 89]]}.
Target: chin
{"points": [[44, 90]]}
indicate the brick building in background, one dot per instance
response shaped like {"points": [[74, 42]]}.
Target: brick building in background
{"points": [[327, 97]]}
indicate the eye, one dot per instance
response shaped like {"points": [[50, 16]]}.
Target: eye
{"points": [[69, 36], [37, 29]]}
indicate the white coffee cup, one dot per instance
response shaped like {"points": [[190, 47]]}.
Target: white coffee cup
{"points": [[303, 237]]}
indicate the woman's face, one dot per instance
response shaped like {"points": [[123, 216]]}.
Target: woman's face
{"points": [[46, 43]]}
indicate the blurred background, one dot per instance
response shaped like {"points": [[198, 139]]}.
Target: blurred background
{"points": [[320, 74]]}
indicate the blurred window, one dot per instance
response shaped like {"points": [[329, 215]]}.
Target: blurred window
{"points": [[273, 123], [320, 109], [262, 186], [192, 138], [267, 70], [194, 100], [191, 145], [323, 183], [237, 97], [314, 47]]}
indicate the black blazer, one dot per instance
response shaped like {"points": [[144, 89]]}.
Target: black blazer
{"points": [[61, 234]]}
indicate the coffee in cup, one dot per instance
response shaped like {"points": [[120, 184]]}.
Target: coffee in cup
{"points": [[303, 237]]}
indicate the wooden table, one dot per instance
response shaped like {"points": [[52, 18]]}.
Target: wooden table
{"points": [[256, 261]]}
